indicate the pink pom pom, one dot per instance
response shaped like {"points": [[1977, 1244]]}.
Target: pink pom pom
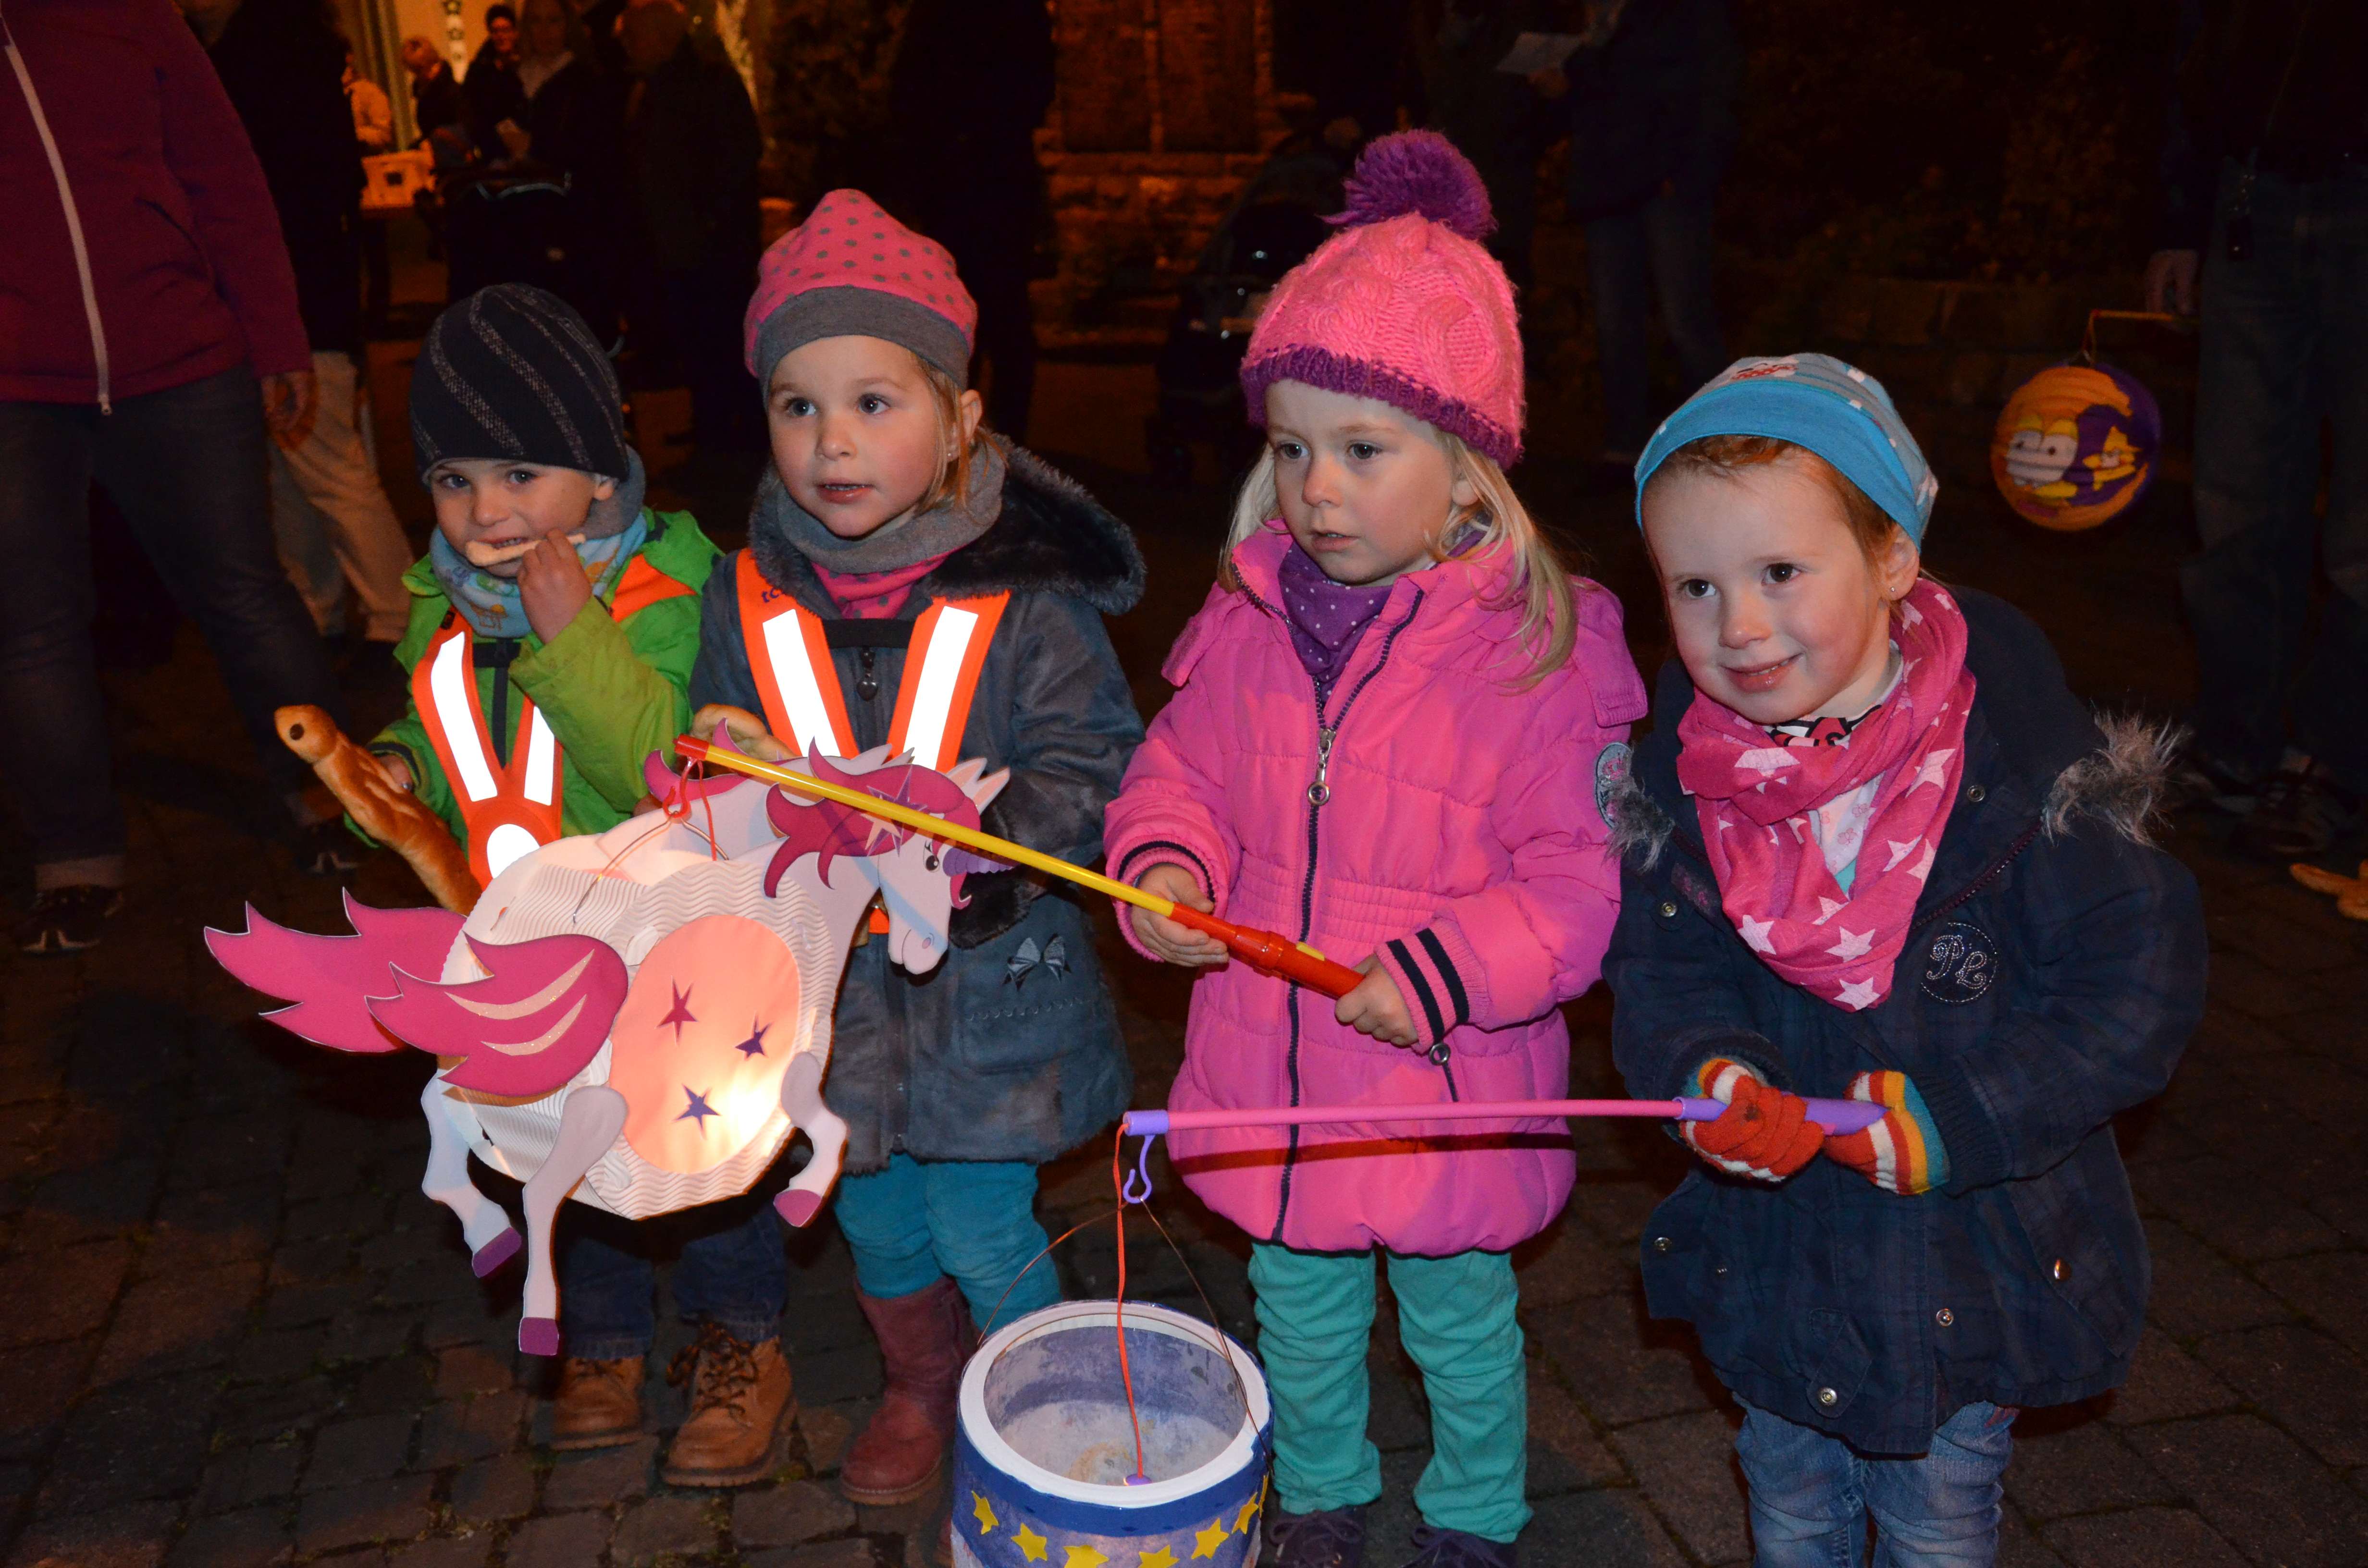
{"points": [[1419, 172]]}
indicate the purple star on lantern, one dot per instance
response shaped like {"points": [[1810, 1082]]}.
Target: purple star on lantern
{"points": [[754, 1044], [680, 1014], [698, 1111]]}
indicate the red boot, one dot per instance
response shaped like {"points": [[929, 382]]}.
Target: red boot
{"points": [[924, 1339]]}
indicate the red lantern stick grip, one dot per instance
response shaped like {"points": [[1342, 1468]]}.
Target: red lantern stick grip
{"points": [[1273, 952]]}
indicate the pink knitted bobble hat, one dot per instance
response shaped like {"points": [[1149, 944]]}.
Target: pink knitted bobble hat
{"points": [[850, 270], [1403, 305]]}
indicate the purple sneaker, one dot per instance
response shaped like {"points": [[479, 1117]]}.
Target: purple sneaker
{"points": [[1334, 1538]]}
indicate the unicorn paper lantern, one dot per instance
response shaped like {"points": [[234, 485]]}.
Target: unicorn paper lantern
{"points": [[2075, 446], [637, 1019]]}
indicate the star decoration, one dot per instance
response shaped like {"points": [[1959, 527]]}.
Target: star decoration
{"points": [[1032, 1545], [754, 1044], [1830, 907], [1159, 1557], [1857, 994], [680, 1014], [1934, 769], [984, 1512], [699, 1111], [1249, 1511], [1900, 851], [1853, 945], [1765, 760], [1910, 614], [1923, 867], [1754, 934], [1205, 1542], [1085, 1557]]}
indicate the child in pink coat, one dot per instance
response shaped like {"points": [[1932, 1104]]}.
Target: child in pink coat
{"points": [[1394, 714]]}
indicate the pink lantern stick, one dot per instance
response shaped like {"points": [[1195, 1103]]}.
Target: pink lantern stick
{"points": [[1833, 1116]]}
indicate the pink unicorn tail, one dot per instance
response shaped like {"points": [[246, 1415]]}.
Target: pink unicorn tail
{"points": [[540, 1015], [332, 978]]}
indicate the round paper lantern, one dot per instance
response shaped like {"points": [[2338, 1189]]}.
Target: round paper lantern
{"points": [[2075, 445], [1044, 1455]]}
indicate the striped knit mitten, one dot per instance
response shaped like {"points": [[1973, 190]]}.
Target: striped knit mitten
{"points": [[1764, 1133], [1900, 1153]]}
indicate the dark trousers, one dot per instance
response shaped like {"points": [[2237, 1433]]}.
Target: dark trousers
{"points": [[702, 308], [186, 468], [2285, 349], [729, 1269], [1662, 249]]}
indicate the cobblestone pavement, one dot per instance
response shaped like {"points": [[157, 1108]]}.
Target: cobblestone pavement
{"points": [[233, 1331]]}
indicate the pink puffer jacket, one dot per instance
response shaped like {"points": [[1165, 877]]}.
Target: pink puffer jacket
{"points": [[1459, 844]]}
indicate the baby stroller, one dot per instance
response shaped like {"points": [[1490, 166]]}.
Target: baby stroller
{"points": [[1275, 227]]}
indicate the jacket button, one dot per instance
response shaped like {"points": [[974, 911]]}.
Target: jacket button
{"points": [[1945, 1317], [1977, 794], [1668, 909], [1662, 1244], [2058, 1270], [1828, 1397]]}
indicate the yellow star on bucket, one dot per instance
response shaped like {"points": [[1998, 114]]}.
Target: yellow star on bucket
{"points": [[1084, 1557], [1249, 1511], [1032, 1545], [1159, 1557], [1205, 1542], [986, 1519]]}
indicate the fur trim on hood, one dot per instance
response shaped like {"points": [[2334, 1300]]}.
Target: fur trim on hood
{"points": [[1052, 537]]}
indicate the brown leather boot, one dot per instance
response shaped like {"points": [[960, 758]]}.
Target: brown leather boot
{"points": [[740, 1405], [924, 1339], [599, 1404]]}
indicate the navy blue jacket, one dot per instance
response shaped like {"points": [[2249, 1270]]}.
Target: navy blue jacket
{"points": [[2052, 979]]}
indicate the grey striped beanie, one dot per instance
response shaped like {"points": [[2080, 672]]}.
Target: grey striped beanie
{"points": [[512, 372]]}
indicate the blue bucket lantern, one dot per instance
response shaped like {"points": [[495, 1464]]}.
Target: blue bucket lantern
{"points": [[1044, 1455]]}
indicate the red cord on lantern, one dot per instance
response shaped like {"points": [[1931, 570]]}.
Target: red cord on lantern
{"points": [[1118, 1307]]}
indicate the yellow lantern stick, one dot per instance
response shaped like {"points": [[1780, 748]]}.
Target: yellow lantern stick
{"points": [[1268, 950]]}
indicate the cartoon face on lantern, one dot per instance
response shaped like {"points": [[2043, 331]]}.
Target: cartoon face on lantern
{"points": [[2075, 446]]}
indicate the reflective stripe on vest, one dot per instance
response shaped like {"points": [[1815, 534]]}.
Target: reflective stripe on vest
{"points": [[789, 655], [510, 812]]}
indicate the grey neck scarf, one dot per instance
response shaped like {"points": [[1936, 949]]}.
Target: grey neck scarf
{"points": [[915, 537]]}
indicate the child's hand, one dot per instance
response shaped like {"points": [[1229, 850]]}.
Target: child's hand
{"points": [[397, 771], [1902, 1153], [553, 586], [747, 732], [1168, 941], [1764, 1133], [1377, 1007]]}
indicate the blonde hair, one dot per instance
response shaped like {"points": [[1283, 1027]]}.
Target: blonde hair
{"points": [[1541, 584], [951, 480]]}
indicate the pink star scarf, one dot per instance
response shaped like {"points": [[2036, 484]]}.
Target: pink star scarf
{"points": [[1754, 797]]}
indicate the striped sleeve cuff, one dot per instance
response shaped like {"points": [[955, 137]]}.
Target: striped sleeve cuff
{"points": [[1136, 860], [1437, 992]]}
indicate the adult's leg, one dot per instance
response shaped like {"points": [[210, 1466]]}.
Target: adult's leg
{"points": [[1315, 1325], [56, 759], [2332, 702], [301, 535], [1456, 1318], [338, 478], [1619, 276], [983, 1228], [1942, 1510], [1808, 1496], [1678, 230], [2247, 593], [187, 466], [733, 1272]]}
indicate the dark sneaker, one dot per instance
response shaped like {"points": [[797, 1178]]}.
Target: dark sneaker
{"points": [[67, 920], [1435, 1548], [327, 849], [2199, 779], [2302, 814], [1332, 1538]]}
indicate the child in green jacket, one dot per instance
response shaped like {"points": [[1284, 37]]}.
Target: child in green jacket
{"points": [[554, 619]]}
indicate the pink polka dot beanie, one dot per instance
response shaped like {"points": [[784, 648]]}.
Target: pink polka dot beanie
{"points": [[850, 270], [1403, 305]]}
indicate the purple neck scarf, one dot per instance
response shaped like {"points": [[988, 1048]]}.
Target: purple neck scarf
{"points": [[1325, 618]]}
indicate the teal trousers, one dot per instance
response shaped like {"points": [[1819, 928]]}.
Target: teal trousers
{"points": [[920, 1221], [1455, 1317]]}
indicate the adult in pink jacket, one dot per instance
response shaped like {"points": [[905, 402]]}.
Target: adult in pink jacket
{"points": [[1392, 718], [147, 322]]}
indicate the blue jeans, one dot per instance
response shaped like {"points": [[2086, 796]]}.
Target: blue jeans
{"points": [[729, 1269], [1664, 248], [920, 1221], [1811, 1495], [187, 467], [2284, 347]]}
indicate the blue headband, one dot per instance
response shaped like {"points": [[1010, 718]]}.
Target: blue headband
{"points": [[1813, 401]]}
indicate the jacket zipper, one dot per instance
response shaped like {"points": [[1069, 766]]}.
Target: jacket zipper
{"points": [[74, 214], [1319, 791]]}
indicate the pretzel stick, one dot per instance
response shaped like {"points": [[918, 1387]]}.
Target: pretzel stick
{"points": [[394, 817]]}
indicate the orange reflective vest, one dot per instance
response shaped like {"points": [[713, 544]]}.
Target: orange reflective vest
{"points": [[789, 654], [511, 809]]}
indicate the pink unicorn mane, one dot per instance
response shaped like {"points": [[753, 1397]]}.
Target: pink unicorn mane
{"points": [[540, 1015], [829, 830]]}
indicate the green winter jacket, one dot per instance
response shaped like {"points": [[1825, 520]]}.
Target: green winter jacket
{"points": [[612, 693]]}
